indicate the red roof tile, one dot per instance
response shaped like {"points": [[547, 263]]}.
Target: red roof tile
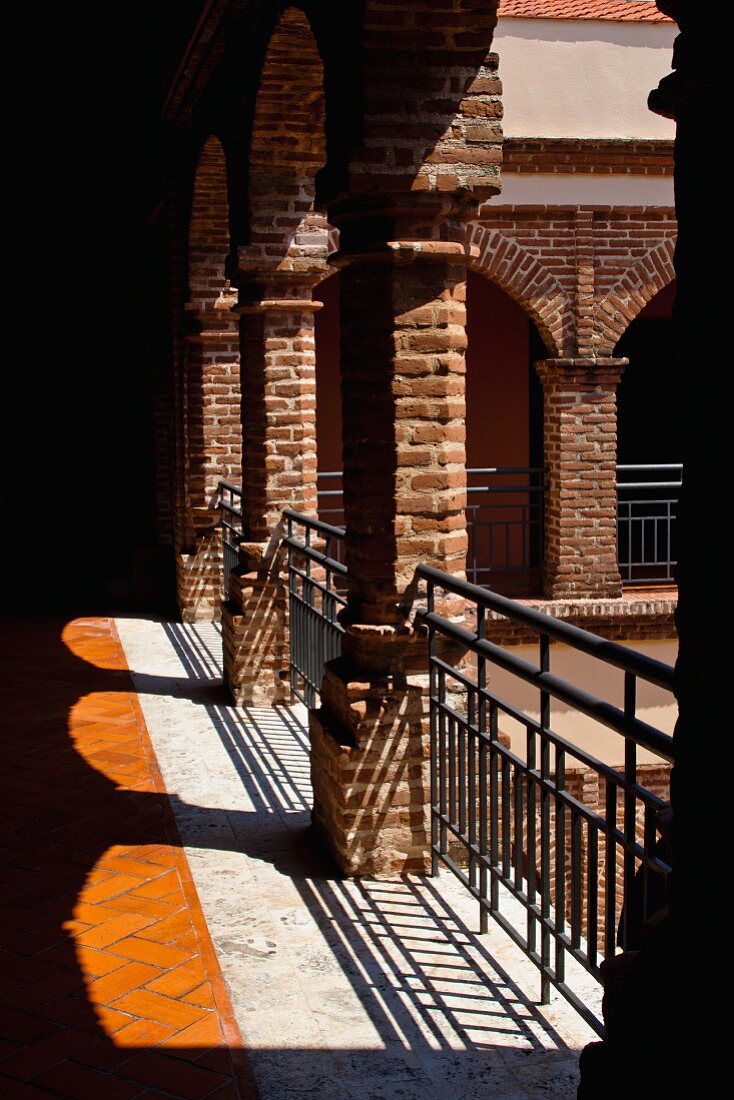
{"points": [[633, 11]]}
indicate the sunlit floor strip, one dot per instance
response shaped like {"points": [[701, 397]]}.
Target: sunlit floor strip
{"points": [[356, 990]]}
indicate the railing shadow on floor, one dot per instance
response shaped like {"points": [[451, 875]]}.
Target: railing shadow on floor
{"points": [[428, 983]]}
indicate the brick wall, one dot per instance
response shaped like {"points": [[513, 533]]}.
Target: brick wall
{"points": [[581, 273]]}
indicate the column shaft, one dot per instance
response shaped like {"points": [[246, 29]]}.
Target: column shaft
{"points": [[277, 355], [580, 443]]}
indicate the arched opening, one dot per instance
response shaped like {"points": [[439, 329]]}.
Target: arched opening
{"points": [[287, 148], [504, 441], [209, 228], [649, 471], [209, 448], [328, 402]]}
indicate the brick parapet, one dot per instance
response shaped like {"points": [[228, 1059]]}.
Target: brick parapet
{"points": [[563, 156], [634, 617]]}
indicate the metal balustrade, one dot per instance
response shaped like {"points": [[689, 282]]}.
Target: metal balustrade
{"points": [[508, 822], [317, 593], [230, 509], [647, 510]]}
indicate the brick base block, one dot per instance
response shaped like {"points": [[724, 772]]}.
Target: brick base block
{"points": [[199, 580], [255, 639], [369, 767]]}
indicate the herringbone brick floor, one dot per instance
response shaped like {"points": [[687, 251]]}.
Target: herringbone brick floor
{"points": [[109, 985]]}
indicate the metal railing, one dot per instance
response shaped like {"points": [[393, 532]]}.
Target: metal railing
{"points": [[509, 823], [504, 519], [316, 587], [230, 509], [647, 509]]}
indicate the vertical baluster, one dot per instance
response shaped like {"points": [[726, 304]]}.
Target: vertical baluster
{"points": [[482, 747], [433, 724], [610, 880], [576, 826], [649, 843], [560, 785], [461, 790], [471, 795], [531, 844], [519, 780], [506, 816], [630, 805], [452, 769], [592, 894], [494, 805], [442, 749], [545, 807]]}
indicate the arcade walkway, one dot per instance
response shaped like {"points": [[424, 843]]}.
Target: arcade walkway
{"points": [[366, 990]]}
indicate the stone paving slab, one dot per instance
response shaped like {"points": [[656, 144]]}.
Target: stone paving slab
{"points": [[350, 989]]}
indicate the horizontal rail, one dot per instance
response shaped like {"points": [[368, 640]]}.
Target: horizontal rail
{"points": [[656, 672]]}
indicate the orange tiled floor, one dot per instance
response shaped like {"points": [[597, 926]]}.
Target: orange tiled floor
{"points": [[109, 986]]}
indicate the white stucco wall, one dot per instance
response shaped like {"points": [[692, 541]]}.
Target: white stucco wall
{"points": [[584, 189], [582, 78]]}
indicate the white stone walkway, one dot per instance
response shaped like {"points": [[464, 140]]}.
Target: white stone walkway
{"points": [[344, 990]]}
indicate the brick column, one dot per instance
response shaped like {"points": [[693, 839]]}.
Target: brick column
{"points": [[580, 443], [403, 342], [213, 451], [277, 355]]}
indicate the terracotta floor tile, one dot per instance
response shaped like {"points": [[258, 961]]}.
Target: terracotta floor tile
{"points": [[129, 903], [218, 1059], [101, 972], [21, 1027], [46, 1053], [158, 954], [108, 988], [205, 1033], [119, 928], [201, 996], [182, 980], [143, 1033], [164, 1010], [128, 865], [82, 1083], [169, 929], [20, 1090], [167, 1073], [97, 963], [111, 887], [158, 887]]}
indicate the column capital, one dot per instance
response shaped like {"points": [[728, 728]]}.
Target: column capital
{"points": [[393, 225], [407, 251], [278, 305], [587, 370]]}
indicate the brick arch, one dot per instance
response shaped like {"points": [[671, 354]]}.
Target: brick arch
{"points": [[287, 149], [630, 294], [209, 239], [528, 282]]}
